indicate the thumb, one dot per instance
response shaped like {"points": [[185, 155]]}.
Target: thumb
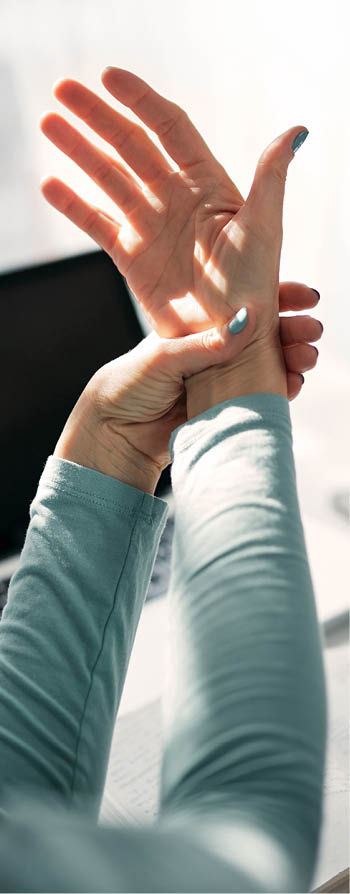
{"points": [[194, 353], [266, 197]]}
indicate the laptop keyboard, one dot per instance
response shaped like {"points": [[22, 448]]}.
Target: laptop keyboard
{"points": [[161, 572], [159, 582], [4, 585]]}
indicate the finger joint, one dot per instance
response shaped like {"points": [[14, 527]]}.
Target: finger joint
{"points": [[167, 126]]}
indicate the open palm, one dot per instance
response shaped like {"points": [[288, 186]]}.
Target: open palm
{"points": [[190, 248]]}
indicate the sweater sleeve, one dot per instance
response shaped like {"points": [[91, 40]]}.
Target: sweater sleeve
{"points": [[68, 629], [245, 709], [244, 704]]}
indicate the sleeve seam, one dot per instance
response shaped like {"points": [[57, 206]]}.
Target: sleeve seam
{"points": [[119, 507], [95, 667]]}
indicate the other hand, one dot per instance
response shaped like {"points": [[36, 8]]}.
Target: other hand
{"points": [[123, 421]]}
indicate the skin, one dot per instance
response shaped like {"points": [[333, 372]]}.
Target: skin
{"points": [[192, 250]]}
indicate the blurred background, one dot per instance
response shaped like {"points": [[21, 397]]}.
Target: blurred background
{"points": [[244, 72]]}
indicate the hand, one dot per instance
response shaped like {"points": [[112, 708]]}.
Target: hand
{"points": [[122, 422], [192, 250], [142, 154], [164, 265]]}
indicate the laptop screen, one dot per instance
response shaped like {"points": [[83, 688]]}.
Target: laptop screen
{"points": [[60, 322]]}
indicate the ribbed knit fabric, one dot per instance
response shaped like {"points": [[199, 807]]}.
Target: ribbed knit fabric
{"points": [[244, 704]]}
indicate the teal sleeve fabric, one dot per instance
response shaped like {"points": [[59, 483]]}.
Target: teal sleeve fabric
{"points": [[244, 704]]}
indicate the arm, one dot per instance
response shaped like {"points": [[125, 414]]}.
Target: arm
{"points": [[259, 368], [244, 705], [68, 629], [246, 699]]}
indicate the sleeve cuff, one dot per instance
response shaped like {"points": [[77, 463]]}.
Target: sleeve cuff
{"points": [[96, 488], [262, 406]]}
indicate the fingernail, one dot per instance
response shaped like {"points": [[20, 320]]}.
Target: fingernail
{"points": [[321, 324], [302, 377], [317, 293], [299, 139], [239, 321]]}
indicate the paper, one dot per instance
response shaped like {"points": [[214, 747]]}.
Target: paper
{"points": [[133, 775]]}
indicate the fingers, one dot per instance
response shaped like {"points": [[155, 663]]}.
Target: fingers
{"points": [[264, 205], [91, 220], [178, 135], [104, 170], [294, 385], [299, 329], [300, 358], [296, 296], [130, 140]]}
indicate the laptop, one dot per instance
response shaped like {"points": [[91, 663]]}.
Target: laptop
{"points": [[61, 321]]}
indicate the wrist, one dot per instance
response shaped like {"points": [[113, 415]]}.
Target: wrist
{"points": [[87, 441], [259, 368]]}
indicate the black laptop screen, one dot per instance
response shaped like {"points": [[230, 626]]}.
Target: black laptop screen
{"points": [[60, 322]]}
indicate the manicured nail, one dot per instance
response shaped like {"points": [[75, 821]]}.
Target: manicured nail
{"points": [[239, 321], [299, 139], [317, 293]]}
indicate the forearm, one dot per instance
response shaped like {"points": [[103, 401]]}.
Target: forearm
{"points": [[258, 369], [68, 629], [245, 702]]}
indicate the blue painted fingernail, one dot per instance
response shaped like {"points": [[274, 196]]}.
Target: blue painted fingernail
{"points": [[239, 321], [299, 139]]}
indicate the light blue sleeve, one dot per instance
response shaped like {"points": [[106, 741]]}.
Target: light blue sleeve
{"points": [[68, 629], [244, 706]]}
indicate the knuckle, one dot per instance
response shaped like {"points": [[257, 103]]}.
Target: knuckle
{"points": [[111, 245], [75, 149], [141, 99], [213, 340], [90, 223], [69, 207], [167, 125], [102, 171], [208, 340], [89, 117], [279, 174], [120, 137]]}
